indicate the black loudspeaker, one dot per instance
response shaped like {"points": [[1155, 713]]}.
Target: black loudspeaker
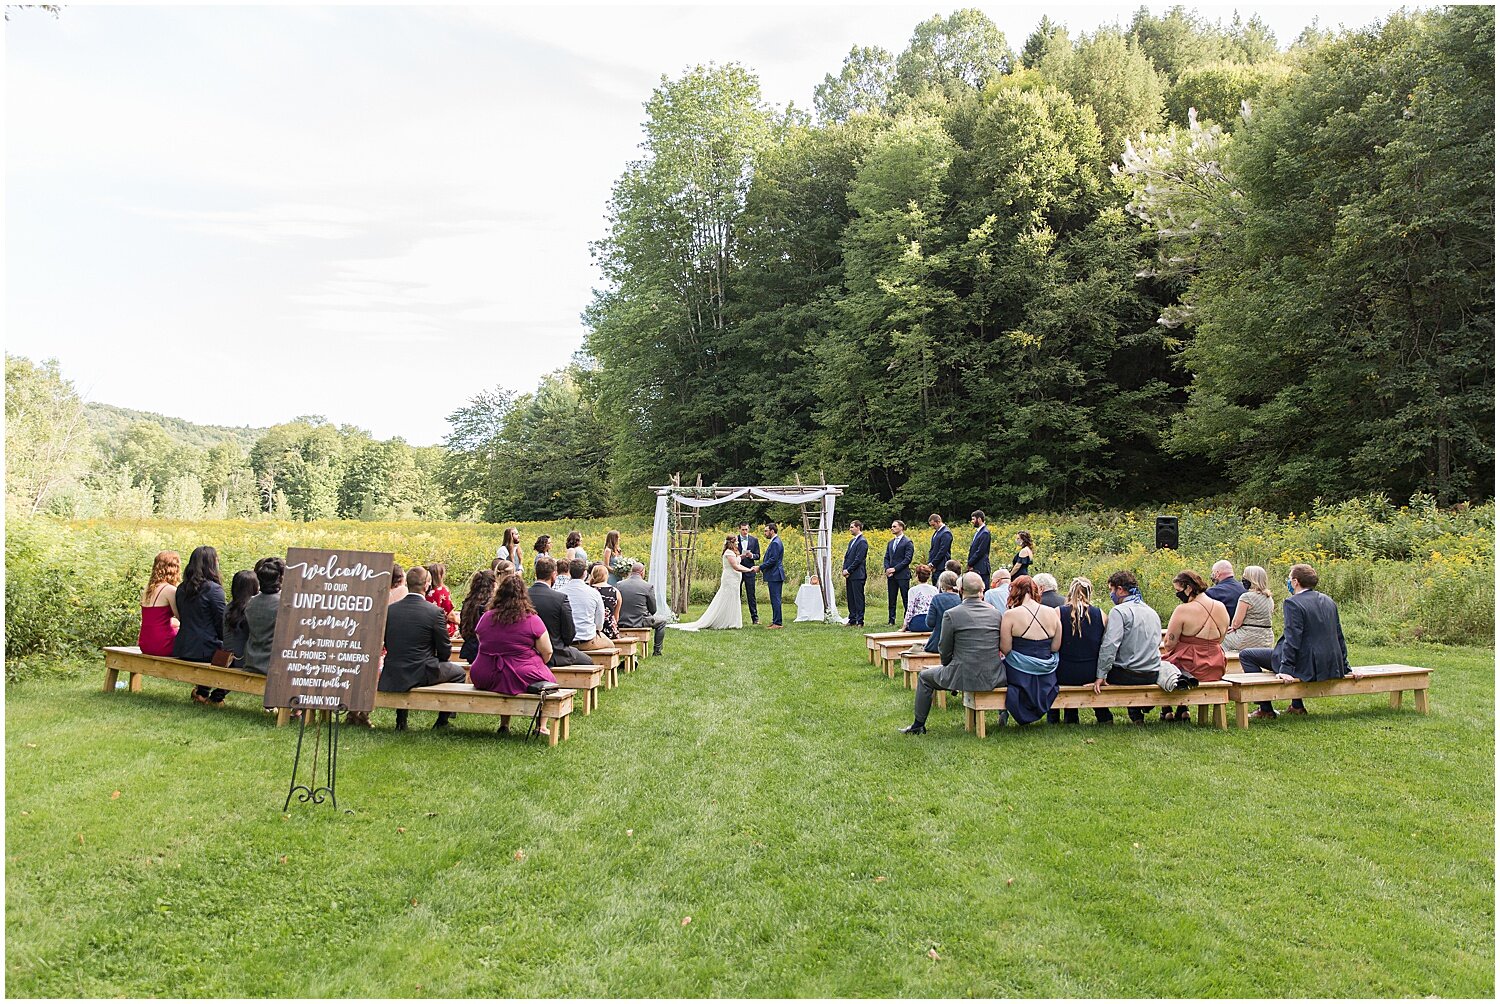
{"points": [[1166, 532]]}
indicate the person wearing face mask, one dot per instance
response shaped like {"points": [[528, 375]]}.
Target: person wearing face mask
{"points": [[1195, 633], [1130, 651], [1312, 640]]}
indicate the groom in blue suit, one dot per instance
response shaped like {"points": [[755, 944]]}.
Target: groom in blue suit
{"points": [[748, 544], [854, 573], [771, 571]]}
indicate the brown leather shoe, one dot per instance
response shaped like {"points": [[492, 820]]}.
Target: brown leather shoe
{"points": [[1294, 710], [1262, 713]]}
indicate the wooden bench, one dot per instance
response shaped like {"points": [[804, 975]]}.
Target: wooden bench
{"points": [[1246, 689], [607, 659], [911, 665], [873, 639], [456, 697], [641, 636], [630, 653], [586, 679], [888, 653], [1209, 698]]}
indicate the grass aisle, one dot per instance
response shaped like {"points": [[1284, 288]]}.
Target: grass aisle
{"points": [[754, 782]]}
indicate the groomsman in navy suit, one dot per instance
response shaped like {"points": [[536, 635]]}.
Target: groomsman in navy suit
{"points": [[749, 544], [979, 547], [898, 555], [854, 573], [940, 551], [772, 571]]}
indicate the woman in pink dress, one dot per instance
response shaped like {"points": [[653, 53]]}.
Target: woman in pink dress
{"points": [[513, 643], [159, 605]]}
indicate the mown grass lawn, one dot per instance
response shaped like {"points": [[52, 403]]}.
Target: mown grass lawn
{"points": [[754, 782]]}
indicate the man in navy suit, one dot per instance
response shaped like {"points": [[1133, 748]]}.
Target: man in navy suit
{"points": [[979, 547], [1312, 640], [898, 555], [1226, 588], [940, 551], [771, 571], [748, 544], [854, 573]]}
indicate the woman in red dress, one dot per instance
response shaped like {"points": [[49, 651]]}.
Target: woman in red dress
{"points": [[159, 605], [438, 594], [513, 645]]}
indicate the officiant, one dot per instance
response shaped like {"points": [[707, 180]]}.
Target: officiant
{"points": [[749, 548]]}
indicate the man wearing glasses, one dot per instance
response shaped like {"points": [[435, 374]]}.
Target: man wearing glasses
{"points": [[898, 556]]}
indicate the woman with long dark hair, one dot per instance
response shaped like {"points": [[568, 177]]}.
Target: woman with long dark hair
{"points": [[513, 643], [242, 589], [611, 552], [476, 602], [200, 613], [1021, 564], [1195, 635]]}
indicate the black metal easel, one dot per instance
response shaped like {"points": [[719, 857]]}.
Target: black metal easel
{"points": [[312, 791]]}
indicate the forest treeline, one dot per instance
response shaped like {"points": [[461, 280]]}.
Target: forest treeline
{"points": [[1168, 260]]}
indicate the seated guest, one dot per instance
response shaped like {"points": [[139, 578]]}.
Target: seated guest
{"points": [[417, 649], [476, 602], [502, 565], [918, 600], [951, 565], [513, 645], [946, 599], [1312, 641], [1050, 596], [260, 615], [998, 595], [638, 606], [970, 651], [1130, 651], [438, 595], [1078, 657], [556, 612], [398, 585], [588, 608], [200, 615], [1030, 635], [1251, 627], [598, 580], [1195, 635], [242, 588], [159, 605], [1226, 588]]}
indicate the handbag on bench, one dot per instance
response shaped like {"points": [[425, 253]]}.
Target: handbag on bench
{"points": [[541, 688]]}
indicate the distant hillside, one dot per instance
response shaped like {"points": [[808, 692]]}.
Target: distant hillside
{"points": [[110, 422]]}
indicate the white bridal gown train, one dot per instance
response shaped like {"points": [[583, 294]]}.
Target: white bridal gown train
{"points": [[724, 611]]}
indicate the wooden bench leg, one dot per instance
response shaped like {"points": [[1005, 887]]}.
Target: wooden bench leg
{"points": [[1221, 716], [137, 681], [557, 725], [567, 724], [1242, 714], [942, 699], [1419, 698], [588, 701], [979, 722], [968, 718], [283, 715], [1395, 700], [1203, 714], [111, 676]]}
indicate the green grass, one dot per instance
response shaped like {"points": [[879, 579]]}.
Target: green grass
{"points": [[771, 800]]}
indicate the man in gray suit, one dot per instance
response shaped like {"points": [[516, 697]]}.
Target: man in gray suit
{"points": [[970, 650], [638, 605]]}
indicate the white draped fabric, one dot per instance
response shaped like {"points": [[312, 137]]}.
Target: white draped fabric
{"points": [[660, 536]]}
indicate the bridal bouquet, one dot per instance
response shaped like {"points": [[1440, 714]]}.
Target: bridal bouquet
{"points": [[620, 566]]}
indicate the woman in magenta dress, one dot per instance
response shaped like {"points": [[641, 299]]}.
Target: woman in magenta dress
{"points": [[513, 643], [159, 605]]}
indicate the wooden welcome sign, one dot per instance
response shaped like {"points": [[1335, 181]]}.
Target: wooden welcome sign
{"points": [[330, 628]]}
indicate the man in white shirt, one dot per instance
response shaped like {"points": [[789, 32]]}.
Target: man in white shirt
{"points": [[588, 608]]}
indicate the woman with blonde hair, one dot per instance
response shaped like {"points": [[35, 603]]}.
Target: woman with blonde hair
{"points": [[159, 605], [611, 597], [1078, 657], [1251, 627]]}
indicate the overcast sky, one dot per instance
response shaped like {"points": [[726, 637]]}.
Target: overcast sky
{"points": [[240, 215]]}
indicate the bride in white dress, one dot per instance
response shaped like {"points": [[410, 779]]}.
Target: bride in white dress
{"points": [[724, 611]]}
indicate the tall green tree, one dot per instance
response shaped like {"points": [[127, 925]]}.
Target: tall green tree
{"points": [[660, 327], [953, 54], [1344, 333], [863, 85], [47, 448], [1110, 73]]}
